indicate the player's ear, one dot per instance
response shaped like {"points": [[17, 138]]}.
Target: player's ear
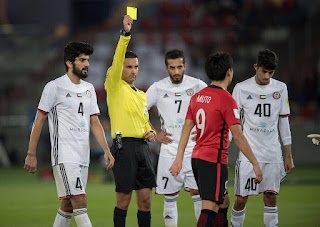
{"points": [[166, 68], [255, 66], [69, 64]]}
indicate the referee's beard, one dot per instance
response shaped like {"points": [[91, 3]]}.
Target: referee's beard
{"points": [[79, 72]]}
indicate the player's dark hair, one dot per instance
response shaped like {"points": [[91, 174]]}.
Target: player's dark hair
{"points": [[74, 49], [217, 65], [130, 54], [174, 54], [267, 59]]}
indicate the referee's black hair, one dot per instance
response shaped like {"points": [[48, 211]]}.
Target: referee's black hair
{"points": [[267, 59], [74, 49], [130, 54], [174, 54], [217, 65]]}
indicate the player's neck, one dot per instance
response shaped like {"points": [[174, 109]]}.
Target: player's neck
{"points": [[223, 84], [74, 79]]}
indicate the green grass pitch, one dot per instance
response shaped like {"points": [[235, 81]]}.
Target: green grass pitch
{"points": [[30, 202]]}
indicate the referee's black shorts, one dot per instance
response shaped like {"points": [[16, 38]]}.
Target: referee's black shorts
{"points": [[211, 179], [133, 168]]}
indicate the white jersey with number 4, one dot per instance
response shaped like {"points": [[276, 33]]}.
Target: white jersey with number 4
{"points": [[260, 108], [172, 101], [69, 106]]}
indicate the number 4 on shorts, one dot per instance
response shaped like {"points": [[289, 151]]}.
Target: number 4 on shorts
{"points": [[78, 184]]}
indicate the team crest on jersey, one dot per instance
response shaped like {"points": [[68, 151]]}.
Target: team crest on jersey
{"points": [[190, 92], [276, 95], [88, 93]]}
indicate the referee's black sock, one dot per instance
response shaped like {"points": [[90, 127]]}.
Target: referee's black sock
{"points": [[119, 217], [144, 218], [206, 218]]}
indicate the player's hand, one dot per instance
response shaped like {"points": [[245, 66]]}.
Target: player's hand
{"points": [[288, 164], [162, 137], [150, 136], [315, 141], [315, 138], [195, 136], [175, 168], [30, 163], [258, 172], [109, 160], [127, 23]]}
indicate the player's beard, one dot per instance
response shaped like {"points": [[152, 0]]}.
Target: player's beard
{"points": [[176, 80], [78, 72]]}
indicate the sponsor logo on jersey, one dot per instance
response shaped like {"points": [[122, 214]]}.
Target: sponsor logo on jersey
{"points": [[78, 130], [262, 130], [262, 125], [263, 96], [276, 95], [79, 95], [177, 94], [236, 113], [190, 92], [88, 93], [166, 96], [82, 124], [167, 217], [68, 95], [249, 97], [180, 121]]}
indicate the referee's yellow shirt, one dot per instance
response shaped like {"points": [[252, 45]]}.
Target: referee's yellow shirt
{"points": [[127, 108]]}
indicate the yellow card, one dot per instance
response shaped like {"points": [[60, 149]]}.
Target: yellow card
{"points": [[132, 12]]}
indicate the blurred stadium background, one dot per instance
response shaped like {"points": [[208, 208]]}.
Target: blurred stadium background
{"points": [[33, 34]]}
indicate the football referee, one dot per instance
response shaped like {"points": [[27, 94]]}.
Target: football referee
{"points": [[130, 130]]}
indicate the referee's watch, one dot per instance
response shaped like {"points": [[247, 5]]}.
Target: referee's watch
{"points": [[124, 33], [154, 133]]}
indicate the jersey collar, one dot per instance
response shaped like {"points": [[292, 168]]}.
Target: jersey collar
{"points": [[214, 86]]}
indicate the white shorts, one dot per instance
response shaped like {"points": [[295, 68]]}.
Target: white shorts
{"points": [[167, 184], [71, 179], [273, 175]]}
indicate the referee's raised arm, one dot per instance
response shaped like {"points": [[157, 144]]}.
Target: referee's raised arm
{"points": [[114, 72]]}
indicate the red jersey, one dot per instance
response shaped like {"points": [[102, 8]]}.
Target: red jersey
{"points": [[213, 111]]}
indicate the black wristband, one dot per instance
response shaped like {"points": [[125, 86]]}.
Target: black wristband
{"points": [[124, 33]]}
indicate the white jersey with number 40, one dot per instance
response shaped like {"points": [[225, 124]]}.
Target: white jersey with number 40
{"points": [[172, 101], [260, 108], [69, 107]]}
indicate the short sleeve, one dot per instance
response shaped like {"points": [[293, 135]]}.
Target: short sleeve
{"points": [[230, 111], [202, 85], [189, 112], [94, 109], [48, 98], [236, 96], [151, 96], [285, 108]]}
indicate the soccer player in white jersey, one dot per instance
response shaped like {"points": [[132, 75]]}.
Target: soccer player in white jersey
{"points": [[264, 107], [171, 96], [71, 104]]}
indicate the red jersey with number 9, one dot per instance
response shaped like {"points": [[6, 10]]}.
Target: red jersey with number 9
{"points": [[213, 111]]}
